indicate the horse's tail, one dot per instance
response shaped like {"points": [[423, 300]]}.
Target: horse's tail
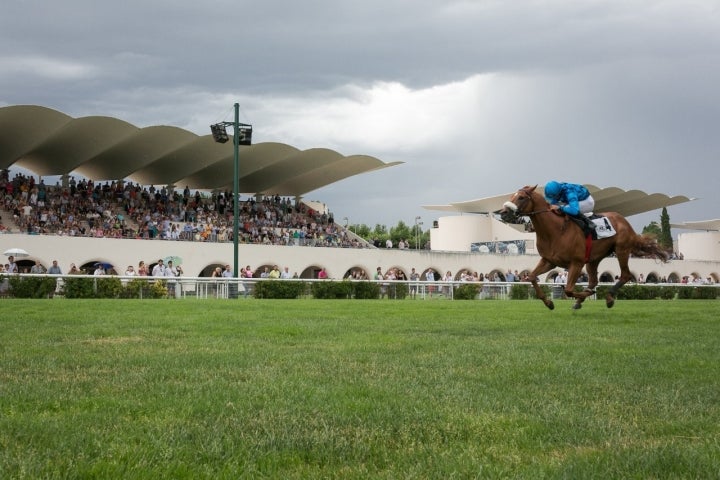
{"points": [[646, 246]]}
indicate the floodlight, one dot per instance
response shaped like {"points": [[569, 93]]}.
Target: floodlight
{"points": [[219, 133]]}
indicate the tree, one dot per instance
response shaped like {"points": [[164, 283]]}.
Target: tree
{"points": [[361, 230], [379, 235], [400, 232], [652, 229], [417, 237], [665, 238], [380, 230]]}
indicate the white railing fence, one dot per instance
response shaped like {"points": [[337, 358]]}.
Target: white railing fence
{"points": [[243, 288]]}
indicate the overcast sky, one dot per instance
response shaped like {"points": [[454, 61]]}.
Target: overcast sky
{"points": [[478, 98]]}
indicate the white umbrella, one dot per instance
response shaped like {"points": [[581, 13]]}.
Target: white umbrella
{"points": [[16, 252], [173, 258]]}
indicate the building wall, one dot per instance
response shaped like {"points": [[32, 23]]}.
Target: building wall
{"points": [[699, 246], [456, 233], [197, 256]]}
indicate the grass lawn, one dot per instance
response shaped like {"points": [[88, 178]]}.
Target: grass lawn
{"points": [[359, 389]]}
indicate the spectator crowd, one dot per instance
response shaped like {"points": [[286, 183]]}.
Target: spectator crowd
{"points": [[125, 210]]}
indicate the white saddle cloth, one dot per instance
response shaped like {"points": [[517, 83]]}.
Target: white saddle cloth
{"points": [[603, 227]]}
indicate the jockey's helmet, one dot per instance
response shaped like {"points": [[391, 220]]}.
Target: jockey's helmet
{"points": [[552, 189]]}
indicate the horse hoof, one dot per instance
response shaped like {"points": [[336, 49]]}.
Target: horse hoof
{"points": [[550, 305], [577, 306], [609, 300]]}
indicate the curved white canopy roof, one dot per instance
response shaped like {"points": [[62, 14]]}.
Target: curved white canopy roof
{"points": [[48, 142], [611, 199], [707, 225]]}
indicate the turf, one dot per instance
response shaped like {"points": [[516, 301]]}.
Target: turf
{"points": [[358, 389]]}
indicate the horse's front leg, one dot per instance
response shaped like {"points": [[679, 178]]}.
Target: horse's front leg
{"points": [[592, 271], [543, 266], [573, 274]]}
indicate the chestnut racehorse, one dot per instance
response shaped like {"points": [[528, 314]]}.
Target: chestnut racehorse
{"points": [[562, 243]]}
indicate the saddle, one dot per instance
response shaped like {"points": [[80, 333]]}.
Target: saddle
{"points": [[602, 226]]}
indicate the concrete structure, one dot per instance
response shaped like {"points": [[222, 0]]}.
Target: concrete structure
{"points": [[198, 258], [459, 233], [700, 245]]}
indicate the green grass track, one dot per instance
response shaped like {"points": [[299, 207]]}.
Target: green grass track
{"points": [[359, 389]]}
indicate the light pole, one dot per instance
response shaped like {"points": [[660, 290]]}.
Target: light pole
{"points": [[242, 135], [417, 232]]}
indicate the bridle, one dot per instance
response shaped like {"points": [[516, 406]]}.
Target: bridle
{"points": [[529, 197]]}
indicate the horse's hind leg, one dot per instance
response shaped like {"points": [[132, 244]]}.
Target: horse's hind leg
{"points": [[625, 276]]}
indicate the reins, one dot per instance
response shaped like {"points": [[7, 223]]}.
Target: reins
{"points": [[530, 214]]}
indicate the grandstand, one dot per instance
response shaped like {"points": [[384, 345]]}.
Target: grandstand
{"points": [[126, 210]]}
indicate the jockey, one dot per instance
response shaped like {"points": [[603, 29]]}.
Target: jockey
{"points": [[574, 200]]}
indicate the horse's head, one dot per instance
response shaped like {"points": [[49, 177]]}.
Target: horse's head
{"points": [[521, 203]]}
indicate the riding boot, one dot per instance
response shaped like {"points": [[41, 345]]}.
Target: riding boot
{"points": [[589, 224]]}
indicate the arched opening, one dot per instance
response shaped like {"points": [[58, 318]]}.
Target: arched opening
{"points": [[495, 275], [356, 273], [429, 275], [310, 272], [425, 275], [606, 277], [398, 273], [25, 265], [95, 267], [463, 274], [694, 277], [263, 271], [209, 269], [552, 276]]}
